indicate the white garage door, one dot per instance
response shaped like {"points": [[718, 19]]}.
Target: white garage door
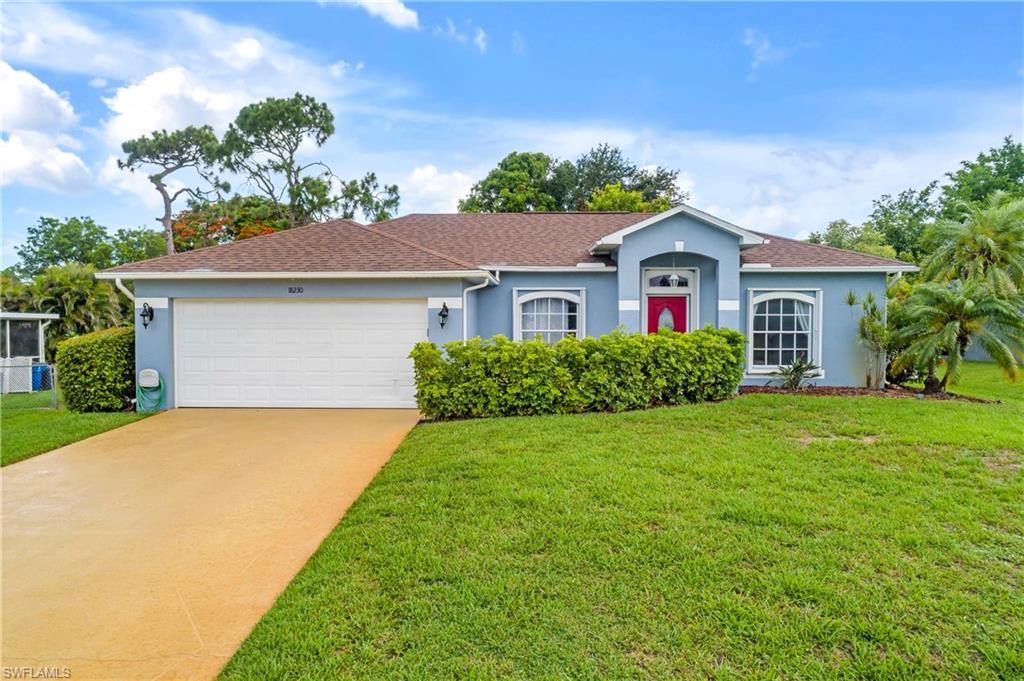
{"points": [[253, 353]]}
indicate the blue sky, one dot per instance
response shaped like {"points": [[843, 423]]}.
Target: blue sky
{"points": [[780, 116]]}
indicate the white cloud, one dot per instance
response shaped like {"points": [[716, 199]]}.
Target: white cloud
{"points": [[30, 104], [124, 182], [341, 68], [33, 159], [518, 43], [480, 39], [53, 37], [98, 83], [34, 117], [391, 11], [243, 54], [429, 190], [762, 51], [172, 98], [451, 31]]}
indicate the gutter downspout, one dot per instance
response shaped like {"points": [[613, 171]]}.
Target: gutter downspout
{"points": [[465, 301], [124, 289]]}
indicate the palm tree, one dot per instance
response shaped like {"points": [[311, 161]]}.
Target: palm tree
{"points": [[83, 302], [986, 245], [942, 320]]}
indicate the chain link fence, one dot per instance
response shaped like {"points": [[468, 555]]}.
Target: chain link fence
{"points": [[27, 385]]}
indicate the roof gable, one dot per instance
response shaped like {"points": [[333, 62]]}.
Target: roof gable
{"points": [[611, 241]]}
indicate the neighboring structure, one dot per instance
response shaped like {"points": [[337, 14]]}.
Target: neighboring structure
{"points": [[22, 345], [325, 315]]}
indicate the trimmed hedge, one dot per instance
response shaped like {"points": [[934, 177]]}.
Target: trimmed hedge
{"points": [[616, 372], [96, 371]]}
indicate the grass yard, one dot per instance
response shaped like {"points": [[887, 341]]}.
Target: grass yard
{"points": [[768, 536], [26, 432]]}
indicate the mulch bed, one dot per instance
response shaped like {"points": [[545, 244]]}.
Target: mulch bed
{"points": [[892, 391]]}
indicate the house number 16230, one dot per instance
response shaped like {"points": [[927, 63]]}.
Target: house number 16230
{"points": [[294, 289]]}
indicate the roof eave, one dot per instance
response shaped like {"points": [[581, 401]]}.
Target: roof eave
{"points": [[888, 269], [405, 274]]}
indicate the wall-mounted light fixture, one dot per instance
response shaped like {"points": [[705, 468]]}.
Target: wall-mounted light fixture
{"points": [[147, 314], [442, 315], [673, 280]]}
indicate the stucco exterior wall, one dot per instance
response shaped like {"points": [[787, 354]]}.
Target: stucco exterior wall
{"points": [[843, 357], [698, 238], [154, 345], [494, 305]]}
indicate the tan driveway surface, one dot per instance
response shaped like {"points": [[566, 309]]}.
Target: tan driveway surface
{"points": [[150, 551]]}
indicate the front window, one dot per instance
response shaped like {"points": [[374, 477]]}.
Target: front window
{"points": [[783, 327], [549, 315]]}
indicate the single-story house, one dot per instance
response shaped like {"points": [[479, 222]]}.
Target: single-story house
{"points": [[325, 315]]}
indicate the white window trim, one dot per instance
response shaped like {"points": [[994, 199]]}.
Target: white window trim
{"points": [[812, 296], [525, 295], [693, 291]]}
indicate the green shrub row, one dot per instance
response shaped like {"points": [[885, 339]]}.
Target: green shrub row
{"points": [[96, 371], [616, 372]]}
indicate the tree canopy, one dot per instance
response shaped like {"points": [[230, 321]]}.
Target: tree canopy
{"points": [[194, 148], [263, 144], [534, 181], [864, 238], [614, 197], [998, 169], [54, 243]]}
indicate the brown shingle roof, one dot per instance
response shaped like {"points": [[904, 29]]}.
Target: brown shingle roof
{"points": [[460, 241], [333, 246], [780, 251], [516, 239]]}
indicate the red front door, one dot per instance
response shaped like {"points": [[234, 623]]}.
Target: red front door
{"points": [[668, 312]]}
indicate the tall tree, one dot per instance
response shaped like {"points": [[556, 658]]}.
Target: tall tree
{"points": [[614, 198], [376, 203], [135, 244], [862, 238], [52, 242], [902, 219], [522, 181], [600, 167], [986, 245], [998, 169], [190, 149], [263, 143], [528, 181], [838, 234]]}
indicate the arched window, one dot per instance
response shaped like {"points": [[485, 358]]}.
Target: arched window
{"points": [[782, 326], [552, 315]]}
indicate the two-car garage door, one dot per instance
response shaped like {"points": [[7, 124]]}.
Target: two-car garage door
{"points": [[322, 353]]}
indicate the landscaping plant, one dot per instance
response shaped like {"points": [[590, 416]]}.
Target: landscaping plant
{"points": [[96, 371], [616, 372], [797, 376]]}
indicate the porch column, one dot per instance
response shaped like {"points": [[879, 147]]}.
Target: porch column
{"points": [[629, 293], [729, 293]]}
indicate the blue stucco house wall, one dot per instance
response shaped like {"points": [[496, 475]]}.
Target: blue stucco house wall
{"points": [[612, 280]]}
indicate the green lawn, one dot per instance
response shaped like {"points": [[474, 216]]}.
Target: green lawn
{"points": [[25, 432], [768, 536]]}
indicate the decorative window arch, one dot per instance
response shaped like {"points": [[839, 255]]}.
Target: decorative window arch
{"points": [[550, 314], [781, 326]]}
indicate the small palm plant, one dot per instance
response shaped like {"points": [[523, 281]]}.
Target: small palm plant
{"points": [[796, 376], [942, 320]]}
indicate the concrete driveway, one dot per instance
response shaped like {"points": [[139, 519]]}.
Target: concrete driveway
{"points": [[150, 551]]}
